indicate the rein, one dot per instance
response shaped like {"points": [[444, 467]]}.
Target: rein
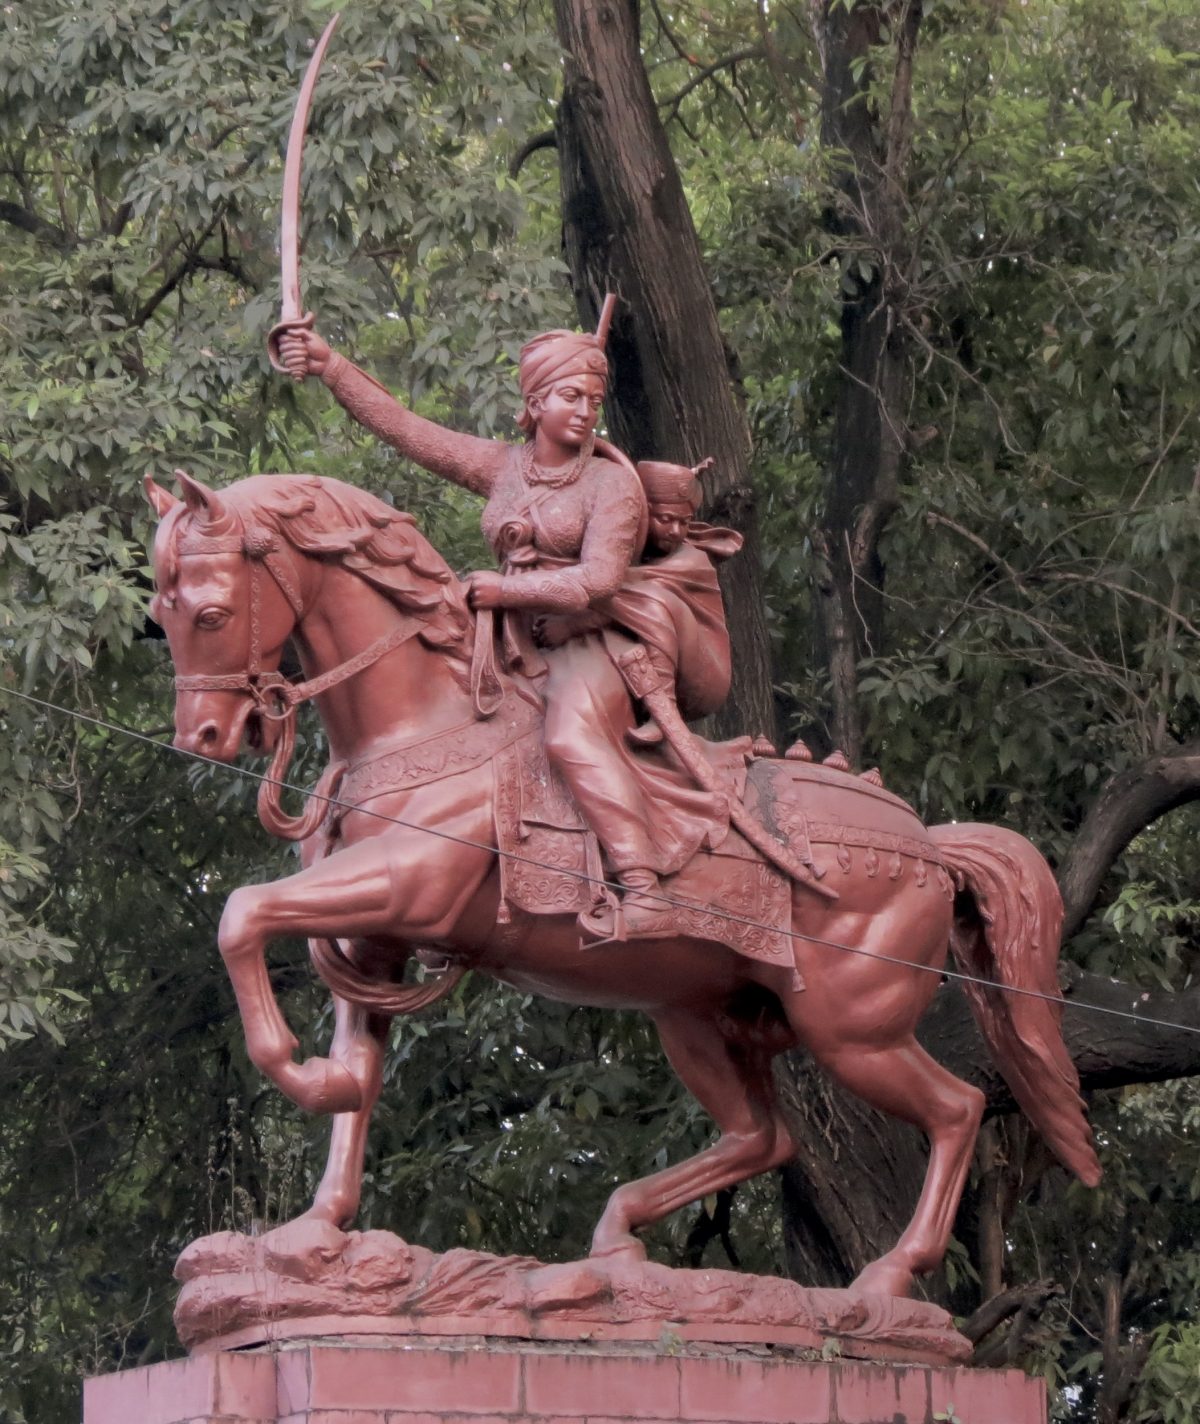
{"points": [[274, 696]]}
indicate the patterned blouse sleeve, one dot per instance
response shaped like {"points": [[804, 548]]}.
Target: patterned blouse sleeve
{"points": [[615, 523], [467, 460]]}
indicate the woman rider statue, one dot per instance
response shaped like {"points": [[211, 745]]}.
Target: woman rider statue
{"points": [[566, 515]]}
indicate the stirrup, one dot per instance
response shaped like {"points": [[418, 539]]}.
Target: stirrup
{"points": [[595, 922], [602, 924]]}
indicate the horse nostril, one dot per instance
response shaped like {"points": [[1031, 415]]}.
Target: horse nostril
{"points": [[207, 736]]}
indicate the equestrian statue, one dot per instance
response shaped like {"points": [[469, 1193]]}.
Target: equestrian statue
{"points": [[514, 789]]}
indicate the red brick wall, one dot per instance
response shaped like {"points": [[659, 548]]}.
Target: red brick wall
{"points": [[512, 1382]]}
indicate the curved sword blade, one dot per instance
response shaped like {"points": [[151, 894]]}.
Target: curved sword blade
{"points": [[291, 307]]}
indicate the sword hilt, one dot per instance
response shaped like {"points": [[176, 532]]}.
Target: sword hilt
{"points": [[281, 328]]}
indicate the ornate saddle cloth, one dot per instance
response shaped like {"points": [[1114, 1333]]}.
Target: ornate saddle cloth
{"points": [[551, 865], [849, 821]]}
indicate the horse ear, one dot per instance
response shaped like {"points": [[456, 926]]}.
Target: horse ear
{"points": [[163, 501], [204, 503]]}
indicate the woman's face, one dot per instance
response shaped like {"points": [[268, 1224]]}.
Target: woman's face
{"points": [[566, 414]]}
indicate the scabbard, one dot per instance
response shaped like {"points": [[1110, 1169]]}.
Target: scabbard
{"points": [[644, 681]]}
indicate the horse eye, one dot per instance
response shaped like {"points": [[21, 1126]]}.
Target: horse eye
{"points": [[211, 617]]}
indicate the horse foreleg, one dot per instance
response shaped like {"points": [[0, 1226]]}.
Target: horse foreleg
{"points": [[904, 1081], [358, 1042], [385, 887], [731, 1080]]}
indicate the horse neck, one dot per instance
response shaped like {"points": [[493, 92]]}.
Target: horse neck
{"points": [[410, 692]]}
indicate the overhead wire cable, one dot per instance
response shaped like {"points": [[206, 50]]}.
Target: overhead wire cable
{"points": [[667, 900]]}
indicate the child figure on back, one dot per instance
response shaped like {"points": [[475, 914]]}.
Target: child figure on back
{"points": [[671, 600]]}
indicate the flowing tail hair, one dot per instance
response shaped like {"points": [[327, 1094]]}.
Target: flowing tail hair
{"points": [[1010, 936], [348, 981]]}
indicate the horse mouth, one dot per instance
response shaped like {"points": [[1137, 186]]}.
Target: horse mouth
{"points": [[260, 733], [215, 730]]}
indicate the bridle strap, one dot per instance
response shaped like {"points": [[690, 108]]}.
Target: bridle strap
{"points": [[260, 547], [277, 567], [296, 692]]}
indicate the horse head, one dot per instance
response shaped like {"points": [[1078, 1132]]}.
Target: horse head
{"points": [[228, 598], [237, 572]]}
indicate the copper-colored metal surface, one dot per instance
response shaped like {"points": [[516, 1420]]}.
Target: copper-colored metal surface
{"points": [[291, 310]]}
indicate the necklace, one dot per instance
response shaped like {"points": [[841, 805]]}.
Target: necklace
{"points": [[535, 474]]}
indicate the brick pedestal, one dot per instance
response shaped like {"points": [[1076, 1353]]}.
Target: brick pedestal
{"points": [[509, 1382]]}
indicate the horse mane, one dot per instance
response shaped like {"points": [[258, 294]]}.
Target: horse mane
{"points": [[328, 519]]}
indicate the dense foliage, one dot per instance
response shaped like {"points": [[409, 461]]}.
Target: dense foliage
{"points": [[1038, 632]]}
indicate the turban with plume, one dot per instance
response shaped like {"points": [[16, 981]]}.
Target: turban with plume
{"points": [[555, 355]]}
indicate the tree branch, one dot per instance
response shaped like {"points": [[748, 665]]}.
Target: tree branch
{"points": [[546, 139], [900, 117], [30, 222], [1126, 805], [190, 263], [933, 518], [156, 299], [1036, 576], [1004, 1306], [780, 73], [1109, 1052], [705, 73], [707, 1228], [120, 220], [228, 264]]}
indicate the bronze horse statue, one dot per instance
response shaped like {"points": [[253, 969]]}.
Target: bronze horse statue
{"points": [[406, 862]]}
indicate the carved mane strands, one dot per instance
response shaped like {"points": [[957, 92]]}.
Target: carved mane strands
{"points": [[327, 519]]}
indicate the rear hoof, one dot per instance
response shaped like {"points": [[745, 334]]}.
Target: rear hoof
{"points": [[623, 1248], [335, 1214], [884, 1277], [319, 1085]]}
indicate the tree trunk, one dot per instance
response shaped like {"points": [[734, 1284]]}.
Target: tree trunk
{"points": [[833, 1227], [862, 488], [627, 229]]}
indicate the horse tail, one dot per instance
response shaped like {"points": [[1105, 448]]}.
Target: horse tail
{"points": [[1009, 934], [348, 982]]}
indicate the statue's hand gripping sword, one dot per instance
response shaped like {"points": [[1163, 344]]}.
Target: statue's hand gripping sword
{"points": [[292, 315]]}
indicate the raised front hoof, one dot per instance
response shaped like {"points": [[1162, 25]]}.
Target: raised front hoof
{"points": [[319, 1085], [884, 1277]]}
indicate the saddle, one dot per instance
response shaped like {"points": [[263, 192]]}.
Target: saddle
{"points": [[551, 863], [726, 894]]}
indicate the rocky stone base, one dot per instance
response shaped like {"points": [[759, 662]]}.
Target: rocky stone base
{"points": [[417, 1381], [309, 1280]]}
